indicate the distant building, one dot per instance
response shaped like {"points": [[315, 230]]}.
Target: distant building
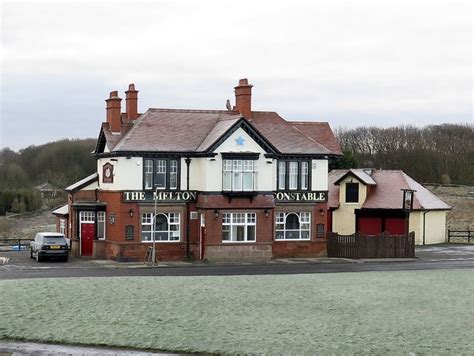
{"points": [[370, 202], [228, 184], [46, 190]]}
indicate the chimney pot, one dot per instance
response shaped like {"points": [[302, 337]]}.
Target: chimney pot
{"points": [[131, 102], [113, 109], [243, 98]]}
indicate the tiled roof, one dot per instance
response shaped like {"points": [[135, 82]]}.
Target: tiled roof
{"points": [[169, 130], [387, 194], [284, 135], [320, 132], [63, 210], [364, 175], [174, 130]]}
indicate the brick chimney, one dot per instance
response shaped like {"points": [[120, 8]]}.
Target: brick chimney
{"points": [[113, 108], [243, 98], [131, 102]]}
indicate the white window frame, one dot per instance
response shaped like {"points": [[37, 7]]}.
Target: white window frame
{"points": [[148, 172], [304, 175], [292, 175], [281, 175], [160, 169], [173, 173], [101, 219], [304, 217], [62, 226], [172, 218], [86, 216], [234, 171], [245, 219]]}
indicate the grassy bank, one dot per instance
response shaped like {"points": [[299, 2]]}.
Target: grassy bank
{"points": [[426, 312]]}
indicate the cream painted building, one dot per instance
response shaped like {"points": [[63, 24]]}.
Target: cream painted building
{"points": [[370, 202]]}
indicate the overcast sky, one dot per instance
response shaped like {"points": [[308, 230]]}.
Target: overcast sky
{"points": [[350, 63]]}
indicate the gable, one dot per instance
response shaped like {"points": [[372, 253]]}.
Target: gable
{"points": [[242, 137], [101, 142]]}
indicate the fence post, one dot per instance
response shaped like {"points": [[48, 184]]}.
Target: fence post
{"points": [[449, 236], [468, 236]]}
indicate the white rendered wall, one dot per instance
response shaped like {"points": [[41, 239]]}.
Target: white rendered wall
{"points": [[435, 226], [211, 169], [128, 173], [319, 174], [344, 218]]}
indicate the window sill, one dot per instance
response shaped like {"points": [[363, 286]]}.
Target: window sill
{"points": [[238, 242], [161, 241], [292, 240]]}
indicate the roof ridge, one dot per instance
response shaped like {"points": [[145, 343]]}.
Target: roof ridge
{"points": [[194, 110], [309, 122]]}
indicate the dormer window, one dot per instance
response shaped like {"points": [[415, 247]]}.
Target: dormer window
{"points": [[352, 192], [161, 173]]}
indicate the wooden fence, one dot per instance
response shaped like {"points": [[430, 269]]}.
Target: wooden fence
{"points": [[371, 246], [460, 236]]}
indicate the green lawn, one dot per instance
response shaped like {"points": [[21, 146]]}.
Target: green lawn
{"points": [[424, 312]]}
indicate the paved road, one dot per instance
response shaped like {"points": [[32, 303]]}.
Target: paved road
{"points": [[429, 258]]}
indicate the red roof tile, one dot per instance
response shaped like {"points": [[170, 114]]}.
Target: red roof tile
{"points": [[387, 194], [320, 132], [173, 130]]}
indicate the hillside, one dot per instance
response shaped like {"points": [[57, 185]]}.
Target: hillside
{"points": [[461, 198], [56, 164]]}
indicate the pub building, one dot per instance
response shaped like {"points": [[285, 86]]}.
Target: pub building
{"points": [[231, 184]]}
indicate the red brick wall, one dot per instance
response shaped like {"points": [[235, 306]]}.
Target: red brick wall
{"points": [[315, 247]]}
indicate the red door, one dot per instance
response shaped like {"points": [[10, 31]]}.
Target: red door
{"points": [[87, 238], [395, 226], [369, 225]]}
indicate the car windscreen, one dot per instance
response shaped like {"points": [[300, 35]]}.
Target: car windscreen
{"points": [[54, 240]]}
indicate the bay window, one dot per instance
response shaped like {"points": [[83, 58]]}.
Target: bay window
{"points": [[239, 175], [293, 226], [239, 227]]}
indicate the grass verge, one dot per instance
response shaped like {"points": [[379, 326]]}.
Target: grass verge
{"points": [[427, 312]]}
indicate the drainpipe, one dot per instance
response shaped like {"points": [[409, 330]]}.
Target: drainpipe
{"points": [[188, 252], [424, 226]]}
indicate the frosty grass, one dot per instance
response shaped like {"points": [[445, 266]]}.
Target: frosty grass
{"points": [[423, 312]]}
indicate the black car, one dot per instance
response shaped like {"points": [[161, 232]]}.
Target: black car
{"points": [[49, 244]]}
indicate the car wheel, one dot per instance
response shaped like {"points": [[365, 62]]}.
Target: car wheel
{"points": [[65, 258]]}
